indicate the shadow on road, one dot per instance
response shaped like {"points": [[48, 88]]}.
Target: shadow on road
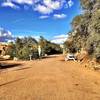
{"points": [[5, 66], [62, 60], [50, 56], [11, 82]]}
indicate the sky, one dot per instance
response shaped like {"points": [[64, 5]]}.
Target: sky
{"points": [[48, 18]]}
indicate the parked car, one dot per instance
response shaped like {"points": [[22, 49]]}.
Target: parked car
{"points": [[70, 57]]}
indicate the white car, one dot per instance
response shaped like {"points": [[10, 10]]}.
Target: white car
{"points": [[70, 57]]}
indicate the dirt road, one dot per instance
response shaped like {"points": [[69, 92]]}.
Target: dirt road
{"points": [[49, 79]]}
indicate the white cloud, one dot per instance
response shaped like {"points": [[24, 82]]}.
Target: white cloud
{"points": [[5, 35], [48, 6], [59, 39], [9, 4], [70, 3], [52, 4], [29, 2], [59, 16], [36, 37], [43, 17], [42, 6], [43, 9], [61, 36]]}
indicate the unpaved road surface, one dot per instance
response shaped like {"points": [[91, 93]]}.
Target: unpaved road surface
{"points": [[49, 79]]}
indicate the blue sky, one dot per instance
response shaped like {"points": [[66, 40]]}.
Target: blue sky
{"points": [[49, 18]]}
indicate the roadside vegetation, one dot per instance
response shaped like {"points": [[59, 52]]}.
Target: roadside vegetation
{"points": [[85, 34], [25, 47]]}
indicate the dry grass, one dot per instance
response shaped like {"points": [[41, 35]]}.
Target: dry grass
{"points": [[49, 79]]}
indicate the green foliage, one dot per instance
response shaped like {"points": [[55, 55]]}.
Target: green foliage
{"points": [[86, 29], [97, 53], [25, 47], [24, 53], [71, 47], [76, 21], [48, 47], [11, 50]]}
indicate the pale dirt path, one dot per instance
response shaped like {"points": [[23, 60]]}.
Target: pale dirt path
{"points": [[50, 79]]}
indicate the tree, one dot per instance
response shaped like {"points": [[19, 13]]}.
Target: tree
{"points": [[48, 47], [87, 4], [86, 29], [10, 50], [25, 47]]}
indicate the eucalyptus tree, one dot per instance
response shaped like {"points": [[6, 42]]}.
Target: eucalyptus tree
{"points": [[86, 28]]}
